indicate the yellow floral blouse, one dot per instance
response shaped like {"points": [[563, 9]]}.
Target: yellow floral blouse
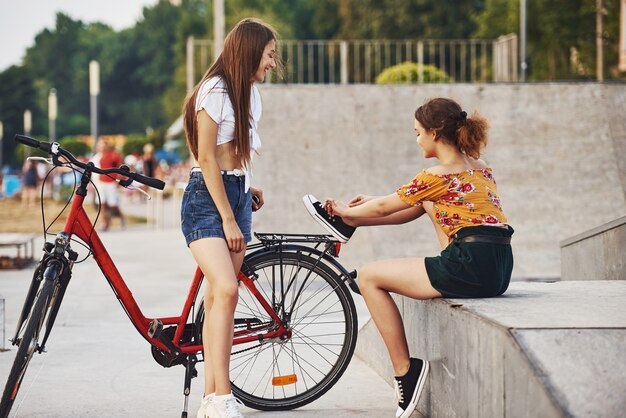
{"points": [[468, 198]]}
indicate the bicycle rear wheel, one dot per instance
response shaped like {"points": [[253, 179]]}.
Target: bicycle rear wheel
{"points": [[316, 305], [28, 339]]}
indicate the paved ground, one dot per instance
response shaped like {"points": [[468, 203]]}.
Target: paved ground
{"points": [[97, 365]]}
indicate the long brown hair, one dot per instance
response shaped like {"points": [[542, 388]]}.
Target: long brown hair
{"points": [[451, 123], [238, 62]]}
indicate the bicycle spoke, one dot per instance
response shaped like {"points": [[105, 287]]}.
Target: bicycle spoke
{"points": [[313, 343], [318, 311], [251, 368], [277, 365], [307, 362], [295, 324]]}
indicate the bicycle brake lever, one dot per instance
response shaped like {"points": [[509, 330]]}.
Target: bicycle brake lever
{"points": [[42, 159], [131, 187]]}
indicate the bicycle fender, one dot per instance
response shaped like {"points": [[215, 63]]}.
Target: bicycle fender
{"points": [[307, 250]]}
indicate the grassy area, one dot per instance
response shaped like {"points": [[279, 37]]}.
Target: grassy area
{"points": [[17, 217]]}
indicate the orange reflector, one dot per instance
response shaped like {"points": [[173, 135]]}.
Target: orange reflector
{"points": [[284, 380]]}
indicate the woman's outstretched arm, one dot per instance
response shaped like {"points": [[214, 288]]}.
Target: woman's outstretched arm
{"points": [[382, 210]]}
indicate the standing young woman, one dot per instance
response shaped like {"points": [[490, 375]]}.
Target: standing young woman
{"points": [[220, 117], [460, 197]]}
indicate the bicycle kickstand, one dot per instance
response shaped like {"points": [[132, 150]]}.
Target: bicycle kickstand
{"points": [[190, 373]]}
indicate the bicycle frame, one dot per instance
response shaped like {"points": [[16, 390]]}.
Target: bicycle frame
{"points": [[267, 316], [78, 224]]}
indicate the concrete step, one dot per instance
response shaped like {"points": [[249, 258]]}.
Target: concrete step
{"points": [[541, 350], [597, 254]]}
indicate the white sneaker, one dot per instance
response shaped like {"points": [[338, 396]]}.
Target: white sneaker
{"points": [[207, 407], [227, 406]]}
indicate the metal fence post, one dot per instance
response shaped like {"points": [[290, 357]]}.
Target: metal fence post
{"points": [[420, 62], [343, 56], [190, 63], [496, 61], [360, 61]]}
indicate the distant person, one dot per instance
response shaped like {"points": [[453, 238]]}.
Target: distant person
{"points": [[30, 179], [460, 197], [149, 162], [109, 157], [220, 117]]}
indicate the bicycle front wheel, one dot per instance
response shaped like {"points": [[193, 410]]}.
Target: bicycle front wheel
{"points": [[317, 307], [28, 341]]}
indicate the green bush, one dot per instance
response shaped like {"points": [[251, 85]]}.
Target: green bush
{"points": [[21, 150], [134, 144], [408, 73], [76, 147]]}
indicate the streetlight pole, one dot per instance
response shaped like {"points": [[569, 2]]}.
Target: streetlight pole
{"points": [[218, 27], [28, 124], [52, 115], [522, 49], [599, 41], [94, 91]]}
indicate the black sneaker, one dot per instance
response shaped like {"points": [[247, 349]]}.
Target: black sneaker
{"points": [[409, 387], [333, 224]]}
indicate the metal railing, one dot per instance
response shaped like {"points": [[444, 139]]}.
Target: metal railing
{"points": [[362, 61]]}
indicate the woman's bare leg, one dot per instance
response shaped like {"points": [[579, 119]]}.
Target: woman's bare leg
{"points": [[406, 277], [218, 265]]}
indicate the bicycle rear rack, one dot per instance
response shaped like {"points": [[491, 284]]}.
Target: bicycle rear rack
{"points": [[274, 238]]}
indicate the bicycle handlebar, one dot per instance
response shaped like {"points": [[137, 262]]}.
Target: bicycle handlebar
{"points": [[55, 149]]}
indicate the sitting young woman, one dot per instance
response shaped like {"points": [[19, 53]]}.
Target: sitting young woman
{"points": [[460, 197]]}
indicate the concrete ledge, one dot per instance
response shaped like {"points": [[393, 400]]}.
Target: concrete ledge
{"points": [[542, 349], [2, 325], [597, 254]]}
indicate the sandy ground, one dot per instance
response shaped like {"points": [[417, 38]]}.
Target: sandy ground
{"points": [[16, 216]]}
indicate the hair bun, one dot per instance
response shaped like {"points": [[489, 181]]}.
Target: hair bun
{"points": [[463, 115]]}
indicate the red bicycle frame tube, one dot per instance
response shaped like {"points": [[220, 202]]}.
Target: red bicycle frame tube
{"points": [[78, 224]]}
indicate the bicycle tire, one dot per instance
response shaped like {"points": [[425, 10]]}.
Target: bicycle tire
{"points": [[324, 329], [28, 341], [33, 289]]}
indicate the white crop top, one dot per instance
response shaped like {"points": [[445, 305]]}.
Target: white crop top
{"points": [[213, 98]]}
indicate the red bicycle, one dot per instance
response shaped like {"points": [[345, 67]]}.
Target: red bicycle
{"points": [[295, 325]]}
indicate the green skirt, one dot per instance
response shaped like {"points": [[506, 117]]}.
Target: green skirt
{"points": [[472, 269]]}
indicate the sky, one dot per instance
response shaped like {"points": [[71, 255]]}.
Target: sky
{"points": [[22, 20]]}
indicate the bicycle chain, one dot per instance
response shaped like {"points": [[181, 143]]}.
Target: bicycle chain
{"points": [[249, 348]]}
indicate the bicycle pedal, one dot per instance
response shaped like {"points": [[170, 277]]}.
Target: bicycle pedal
{"points": [[353, 284], [155, 328]]}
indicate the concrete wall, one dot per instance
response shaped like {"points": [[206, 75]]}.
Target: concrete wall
{"points": [[557, 151], [597, 254]]}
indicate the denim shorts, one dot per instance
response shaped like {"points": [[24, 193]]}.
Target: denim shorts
{"points": [[199, 217]]}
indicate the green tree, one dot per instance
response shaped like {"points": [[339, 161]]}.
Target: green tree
{"points": [[143, 71], [195, 20], [401, 19], [17, 93], [560, 33], [60, 59]]}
